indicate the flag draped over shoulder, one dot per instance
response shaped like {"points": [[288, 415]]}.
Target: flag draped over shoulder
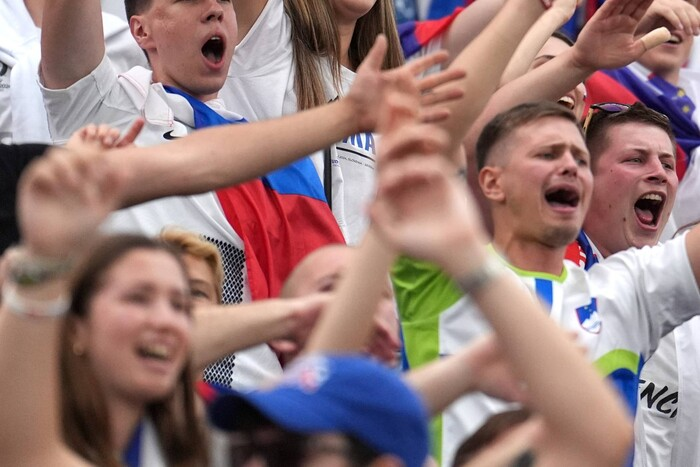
{"points": [[281, 217]]}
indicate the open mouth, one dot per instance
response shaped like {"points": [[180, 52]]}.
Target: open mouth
{"points": [[155, 351], [559, 197], [675, 39], [648, 209], [567, 102], [213, 49]]}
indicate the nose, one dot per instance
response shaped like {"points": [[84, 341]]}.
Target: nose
{"points": [[569, 164], [657, 173], [214, 11]]}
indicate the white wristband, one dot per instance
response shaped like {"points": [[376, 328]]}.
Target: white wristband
{"points": [[33, 308]]}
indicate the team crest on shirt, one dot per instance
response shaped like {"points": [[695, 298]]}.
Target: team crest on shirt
{"points": [[588, 317]]}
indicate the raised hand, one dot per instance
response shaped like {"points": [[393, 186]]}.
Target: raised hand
{"points": [[103, 136], [301, 316], [491, 371], [423, 210], [680, 14], [371, 85], [608, 40], [63, 197]]}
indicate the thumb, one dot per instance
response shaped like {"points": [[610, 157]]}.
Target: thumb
{"points": [[375, 56]]}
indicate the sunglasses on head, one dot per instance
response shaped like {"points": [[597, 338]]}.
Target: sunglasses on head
{"points": [[611, 108]]}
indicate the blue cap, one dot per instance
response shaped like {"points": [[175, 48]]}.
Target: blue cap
{"points": [[346, 394]]}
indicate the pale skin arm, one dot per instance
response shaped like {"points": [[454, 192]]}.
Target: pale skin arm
{"points": [[607, 41], [207, 159], [468, 24], [222, 330], [60, 205], [347, 323], [550, 21], [422, 210], [72, 43], [480, 366]]}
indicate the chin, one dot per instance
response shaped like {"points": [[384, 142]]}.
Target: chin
{"points": [[561, 236]]}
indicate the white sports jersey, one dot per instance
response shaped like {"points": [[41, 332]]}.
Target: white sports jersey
{"points": [[105, 97], [22, 115], [619, 308], [261, 86]]}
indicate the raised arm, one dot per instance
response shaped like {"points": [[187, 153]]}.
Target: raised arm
{"points": [[222, 330], [550, 21], [607, 41], [60, 205], [347, 323], [207, 159], [484, 60], [423, 210], [72, 43]]}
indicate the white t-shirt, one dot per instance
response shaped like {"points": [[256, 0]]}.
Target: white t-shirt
{"points": [[105, 97], [619, 309], [22, 115], [260, 85]]}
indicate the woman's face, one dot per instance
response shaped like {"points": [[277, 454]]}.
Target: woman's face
{"points": [[137, 332]]}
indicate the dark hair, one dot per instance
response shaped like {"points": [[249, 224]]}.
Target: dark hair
{"points": [[135, 7], [494, 427], [85, 418], [503, 124], [601, 122]]}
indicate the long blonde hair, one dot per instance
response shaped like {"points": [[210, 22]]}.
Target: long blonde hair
{"points": [[315, 35]]}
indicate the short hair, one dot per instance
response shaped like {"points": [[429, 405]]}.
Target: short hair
{"points": [[601, 122], [136, 7], [186, 242], [505, 123]]}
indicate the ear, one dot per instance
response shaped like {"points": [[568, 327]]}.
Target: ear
{"points": [[140, 31], [490, 181]]}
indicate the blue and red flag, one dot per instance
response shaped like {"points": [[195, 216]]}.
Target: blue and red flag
{"points": [[415, 35], [281, 217]]}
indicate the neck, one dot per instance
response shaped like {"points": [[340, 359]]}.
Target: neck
{"points": [[36, 10], [124, 416], [346, 30], [672, 76], [530, 255], [202, 97]]}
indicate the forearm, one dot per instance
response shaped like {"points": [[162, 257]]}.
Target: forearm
{"points": [[442, 382], [548, 82], [484, 60], [533, 41], [469, 24], [347, 323], [29, 349], [72, 42], [228, 155], [222, 330]]}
